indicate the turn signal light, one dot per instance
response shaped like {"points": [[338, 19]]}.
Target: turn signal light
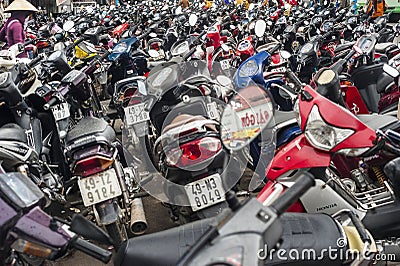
{"points": [[92, 165], [30, 248]]}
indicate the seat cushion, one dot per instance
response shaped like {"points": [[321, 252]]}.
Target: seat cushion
{"points": [[382, 47], [14, 132], [302, 231], [161, 248], [90, 126], [376, 121]]}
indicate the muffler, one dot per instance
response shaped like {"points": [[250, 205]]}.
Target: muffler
{"points": [[138, 217]]}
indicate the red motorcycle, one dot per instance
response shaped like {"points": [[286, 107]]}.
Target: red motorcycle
{"points": [[346, 152]]}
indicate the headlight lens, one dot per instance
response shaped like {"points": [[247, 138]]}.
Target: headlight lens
{"points": [[120, 48], [248, 69], [306, 48], [321, 135]]}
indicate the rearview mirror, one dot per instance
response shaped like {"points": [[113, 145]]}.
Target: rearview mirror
{"points": [[260, 28], [246, 115], [178, 10], [68, 25], [285, 54], [192, 19], [83, 227]]}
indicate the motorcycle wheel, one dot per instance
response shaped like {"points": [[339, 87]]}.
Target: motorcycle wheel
{"points": [[117, 233]]}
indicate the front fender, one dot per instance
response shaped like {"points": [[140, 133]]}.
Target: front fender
{"points": [[297, 154]]}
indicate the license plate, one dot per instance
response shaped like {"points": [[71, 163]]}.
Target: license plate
{"points": [[60, 111], [278, 69], [225, 64], [135, 114], [205, 192], [212, 110], [99, 187]]}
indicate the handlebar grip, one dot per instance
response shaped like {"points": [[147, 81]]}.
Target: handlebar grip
{"points": [[326, 35], [349, 55], [76, 42], [29, 42], [50, 103], [293, 77], [144, 35], [79, 40], [275, 49], [390, 148], [92, 250], [35, 61], [303, 183], [104, 56], [189, 54], [360, 227]]}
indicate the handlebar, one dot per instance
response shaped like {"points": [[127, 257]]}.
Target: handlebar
{"points": [[92, 250], [360, 227], [76, 42], [290, 196], [35, 61], [349, 55], [29, 42], [104, 56], [275, 48], [293, 78], [51, 102]]}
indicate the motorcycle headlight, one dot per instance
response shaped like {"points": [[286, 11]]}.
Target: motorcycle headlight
{"points": [[321, 135], [248, 69], [306, 48], [120, 48]]}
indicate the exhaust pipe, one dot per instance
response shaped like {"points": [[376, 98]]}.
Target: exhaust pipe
{"points": [[138, 217]]}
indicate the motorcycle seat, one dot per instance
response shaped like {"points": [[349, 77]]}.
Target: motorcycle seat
{"points": [[13, 132], [344, 46], [376, 121], [301, 231], [90, 126], [186, 119], [382, 47]]}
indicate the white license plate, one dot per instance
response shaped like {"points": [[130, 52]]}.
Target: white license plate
{"points": [[135, 114], [99, 187], [212, 110], [60, 111], [205, 192], [278, 69], [225, 64]]}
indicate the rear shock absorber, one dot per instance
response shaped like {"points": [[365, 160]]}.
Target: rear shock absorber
{"points": [[379, 175]]}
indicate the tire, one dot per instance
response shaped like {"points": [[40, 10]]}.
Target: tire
{"points": [[117, 233]]}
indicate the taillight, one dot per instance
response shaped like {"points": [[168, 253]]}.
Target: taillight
{"points": [[193, 152], [155, 46], [92, 165], [42, 44]]}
